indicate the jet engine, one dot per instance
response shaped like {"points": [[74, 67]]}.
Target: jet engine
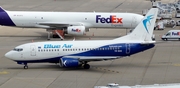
{"points": [[76, 30], [68, 62]]}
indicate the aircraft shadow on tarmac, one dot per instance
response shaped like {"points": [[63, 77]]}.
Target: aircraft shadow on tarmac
{"points": [[94, 68], [54, 68]]}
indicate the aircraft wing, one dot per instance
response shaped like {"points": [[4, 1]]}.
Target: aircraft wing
{"points": [[96, 58], [60, 24]]}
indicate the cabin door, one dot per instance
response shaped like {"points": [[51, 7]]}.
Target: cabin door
{"points": [[128, 48], [33, 50]]}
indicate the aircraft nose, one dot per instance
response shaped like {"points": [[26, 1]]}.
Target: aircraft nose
{"points": [[9, 55]]}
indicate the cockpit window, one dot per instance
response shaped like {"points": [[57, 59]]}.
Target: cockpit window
{"points": [[18, 49]]}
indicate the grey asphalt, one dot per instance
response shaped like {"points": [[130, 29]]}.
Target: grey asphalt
{"points": [[155, 66]]}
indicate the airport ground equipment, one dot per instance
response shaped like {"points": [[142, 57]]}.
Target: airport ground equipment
{"points": [[159, 26], [171, 35], [177, 22], [177, 14]]}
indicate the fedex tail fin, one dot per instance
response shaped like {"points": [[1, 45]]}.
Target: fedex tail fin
{"points": [[1, 9], [144, 30]]}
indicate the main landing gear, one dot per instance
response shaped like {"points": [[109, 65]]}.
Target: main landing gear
{"points": [[85, 65], [25, 66], [56, 34]]}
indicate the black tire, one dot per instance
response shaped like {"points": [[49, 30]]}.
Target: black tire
{"points": [[86, 66], [25, 67], [80, 65]]}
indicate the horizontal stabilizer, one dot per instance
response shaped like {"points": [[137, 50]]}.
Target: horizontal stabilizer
{"points": [[148, 42]]}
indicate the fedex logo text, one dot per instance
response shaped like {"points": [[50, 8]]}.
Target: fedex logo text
{"points": [[76, 30], [176, 33], [111, 19]]}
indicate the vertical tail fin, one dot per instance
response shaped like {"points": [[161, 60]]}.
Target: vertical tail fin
{"points": [[1, 9], [144, 30]]}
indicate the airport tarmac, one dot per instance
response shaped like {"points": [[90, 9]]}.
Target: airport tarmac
{"points": [[158, 65]]}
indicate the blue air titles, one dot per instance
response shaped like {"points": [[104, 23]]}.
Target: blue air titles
{"points": [[57, 46]]}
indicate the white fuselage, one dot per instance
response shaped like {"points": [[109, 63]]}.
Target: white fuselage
{"points": [[87, 19]]}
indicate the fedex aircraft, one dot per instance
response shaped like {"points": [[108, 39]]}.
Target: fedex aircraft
{"points": [[79, 53], [74, 23]]}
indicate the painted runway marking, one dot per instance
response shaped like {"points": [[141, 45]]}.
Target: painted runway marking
{"points": [[104, 69], [3, 72]]}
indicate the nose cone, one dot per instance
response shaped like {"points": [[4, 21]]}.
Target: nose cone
{"points": [[9, 55]]}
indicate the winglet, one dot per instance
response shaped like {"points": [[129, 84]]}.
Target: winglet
{"points": [[1, 9]]}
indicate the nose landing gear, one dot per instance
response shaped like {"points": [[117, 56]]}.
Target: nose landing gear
{"points": [[25, 66], [23, 63]]}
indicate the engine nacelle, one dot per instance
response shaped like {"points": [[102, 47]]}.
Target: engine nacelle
{"points": [[76, 30], [68, 62]]}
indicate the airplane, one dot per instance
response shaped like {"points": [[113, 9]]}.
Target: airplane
{"points": [[73, 23], [78, 53]]}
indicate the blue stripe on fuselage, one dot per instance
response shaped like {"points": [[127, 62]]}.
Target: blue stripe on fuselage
{"points": [[134, 48]]}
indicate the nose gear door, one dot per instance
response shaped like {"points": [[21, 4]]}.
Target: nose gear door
{"points": [[33, 50]]}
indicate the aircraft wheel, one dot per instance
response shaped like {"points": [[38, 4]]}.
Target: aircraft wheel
{"points": [[25, 67], [80, 65], [86, 66]]}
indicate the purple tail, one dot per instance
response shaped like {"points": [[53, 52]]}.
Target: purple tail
{"points": [[1, 9], [5, 19]]}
